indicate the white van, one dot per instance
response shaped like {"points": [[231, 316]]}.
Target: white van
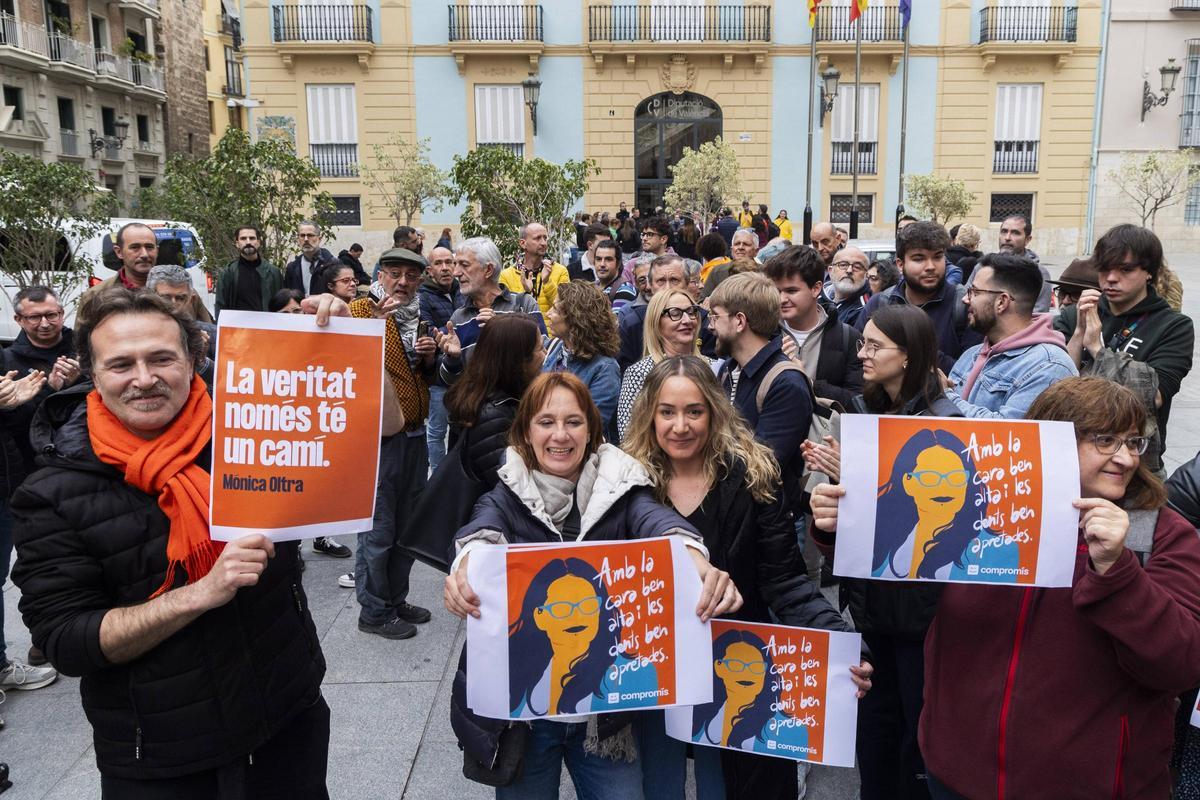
{"points": [[178, 243]]}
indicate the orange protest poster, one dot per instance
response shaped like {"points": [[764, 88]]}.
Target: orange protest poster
{"points": [[584, 628], [958, 500], [779, 691], [296, 425]]}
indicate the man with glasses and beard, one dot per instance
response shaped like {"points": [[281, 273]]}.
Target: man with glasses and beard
{"points": [[250, 281], [847, 289]]}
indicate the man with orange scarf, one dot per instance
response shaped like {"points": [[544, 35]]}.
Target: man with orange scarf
{"points": [[201, 669]]}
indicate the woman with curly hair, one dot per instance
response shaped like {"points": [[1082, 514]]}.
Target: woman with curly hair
{"points": [[706, 464], [585, 331]]}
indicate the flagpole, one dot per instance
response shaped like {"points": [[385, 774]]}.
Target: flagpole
{"points": [[903, 131], [854, 152], [812, 88]]}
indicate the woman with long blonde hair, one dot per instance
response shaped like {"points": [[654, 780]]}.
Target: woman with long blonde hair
{"points": [[706, 464]]}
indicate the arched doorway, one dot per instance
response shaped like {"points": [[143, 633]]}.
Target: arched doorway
{"points": [[662, 126]]}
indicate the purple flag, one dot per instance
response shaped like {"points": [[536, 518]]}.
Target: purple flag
{"points": [[905, 13]]}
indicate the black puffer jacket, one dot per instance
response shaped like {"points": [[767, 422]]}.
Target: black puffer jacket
{"points": [[1183, 491], [488, 437], [213, 692], [21, 356]]}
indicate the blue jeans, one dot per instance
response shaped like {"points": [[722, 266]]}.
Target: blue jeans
{"points": [[380, 570], [6, 548], [436, 426], [595, 778], [664, 762]]}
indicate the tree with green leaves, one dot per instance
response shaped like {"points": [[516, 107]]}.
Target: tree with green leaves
{"points": [[46, 211], [704, 181], [1154, 181], [504, 191], [936, 198], [404, 178], [263, 183]]}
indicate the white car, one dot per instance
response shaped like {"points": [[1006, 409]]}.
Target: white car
{"points": [[875, 249], [178, 243]]}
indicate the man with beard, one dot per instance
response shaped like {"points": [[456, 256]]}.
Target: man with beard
{"points": [[847, 288], [1015, 233], [1021, 353], [921, 258], [249, 282], [534, 274], [766, 387], [136, 247], [606, 261], [583, 267], [304, 272]]}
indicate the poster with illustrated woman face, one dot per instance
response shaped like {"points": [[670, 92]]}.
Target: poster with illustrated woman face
{"points": [[958, 500], [777, 691], [584, 628]]}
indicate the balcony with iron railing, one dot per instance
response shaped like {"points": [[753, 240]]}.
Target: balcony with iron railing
{"points": [[147, 8], [68, 142], [233, 80], [71, 53], [112, 148], [842, 158], [111, 66], [495, 23], [335, 160], [1015, 157], [721, 22], [232, 27], [1028, 24], [878, 23], [1185, 5], [322, 23], [21, 41], [148, 76]]}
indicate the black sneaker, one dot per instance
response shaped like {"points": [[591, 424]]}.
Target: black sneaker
{"points": [[393, 629], [414, 614], [36, 658], [329, 547]]}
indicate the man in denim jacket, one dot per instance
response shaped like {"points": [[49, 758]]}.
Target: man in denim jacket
{"points": [[1021, 353]]}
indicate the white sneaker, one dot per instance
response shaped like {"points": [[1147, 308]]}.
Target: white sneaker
{"points": [[19, 675], [346, 581]]}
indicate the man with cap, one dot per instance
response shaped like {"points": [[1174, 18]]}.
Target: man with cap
{"points": [[380, 569], [1079, 275]]}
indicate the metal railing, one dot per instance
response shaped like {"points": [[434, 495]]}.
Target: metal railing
{"points": [[148, 75], [879, 24], [66, 50], [1028, 24], [112, 149], [154, 4], [709, 23], [114, 66], [479, 23], [335, 160], [68, 142], [1185, 5], [322, 23], [23, 36], [146, 146], [842, 161], [232, 26], [233, 79], [1014, 157]]}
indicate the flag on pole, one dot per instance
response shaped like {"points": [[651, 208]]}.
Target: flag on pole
{"points": [[857, 7], [812, 12], [905, 13]]}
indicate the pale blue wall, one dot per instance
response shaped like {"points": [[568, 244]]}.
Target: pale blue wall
{"points": [[430, 21], [789, 140], [440, 97], [927, 22], [922, 114], [562, 22], [560, 109]]}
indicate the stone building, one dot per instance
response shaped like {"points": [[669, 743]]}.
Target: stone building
{"points": [[187, 125]]}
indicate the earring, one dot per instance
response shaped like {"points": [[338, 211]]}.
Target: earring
{"points": [[905, 365]]}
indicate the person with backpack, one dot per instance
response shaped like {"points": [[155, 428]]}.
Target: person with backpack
{"points": [[899, 358]]}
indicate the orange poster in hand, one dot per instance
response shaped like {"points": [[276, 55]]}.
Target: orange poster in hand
{"points": [[296, 425]]}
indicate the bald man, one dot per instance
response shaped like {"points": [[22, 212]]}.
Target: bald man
{"points": [[826, 242], [847, 287]]}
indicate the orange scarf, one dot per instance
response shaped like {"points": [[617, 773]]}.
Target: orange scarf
{"points": [[165, 466]]}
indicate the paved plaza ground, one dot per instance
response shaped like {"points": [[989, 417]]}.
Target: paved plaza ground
{"points": [[391, 721]]}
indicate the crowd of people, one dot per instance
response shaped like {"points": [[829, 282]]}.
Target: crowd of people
{"points": [[669, 380]]}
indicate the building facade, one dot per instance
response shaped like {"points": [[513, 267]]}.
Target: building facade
{"points": [[182, 43], [224, 80], [1144, 37], [999, 95]]}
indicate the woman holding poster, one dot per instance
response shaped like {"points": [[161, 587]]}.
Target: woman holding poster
{"points": [[1070, 692], [708, 466], [899, 356], [559, 483]]}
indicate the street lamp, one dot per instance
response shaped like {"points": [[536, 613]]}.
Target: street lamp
{"points": [[829, 89], [532, 88], [1170, 73], [98, 142]]}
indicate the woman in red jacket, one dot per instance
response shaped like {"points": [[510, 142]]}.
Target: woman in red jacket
{"points": [[1070, 693]]}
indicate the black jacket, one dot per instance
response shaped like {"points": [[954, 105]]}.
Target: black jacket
{"points": [[213, 692], [839, 372], [487, 439], [1163, 339], [294, 277], [436, 304], [23, 357], [360, 274], [756, 544], [1183, 490], [964, 259]]}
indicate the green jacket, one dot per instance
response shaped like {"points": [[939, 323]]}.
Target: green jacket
{"points": [[227, 280]]}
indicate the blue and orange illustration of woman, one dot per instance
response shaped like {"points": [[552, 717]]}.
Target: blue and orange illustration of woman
{"points": [[927, 514], [744, 712], [563, 648]]}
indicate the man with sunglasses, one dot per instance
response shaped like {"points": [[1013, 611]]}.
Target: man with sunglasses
{"points": [[847, 290], [1020, 355]]}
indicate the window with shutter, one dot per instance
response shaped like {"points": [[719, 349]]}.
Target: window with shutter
{"points": [[1189, 131], [1018, 128], [842, 131], [333, 129], [500, 117]]}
